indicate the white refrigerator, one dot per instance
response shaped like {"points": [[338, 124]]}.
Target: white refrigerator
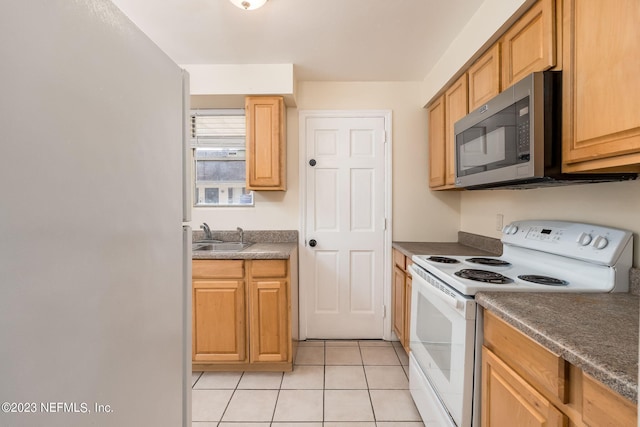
{"points": [[94, 259]]}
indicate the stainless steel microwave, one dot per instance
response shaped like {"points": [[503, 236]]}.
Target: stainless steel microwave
{"points": [[515, 139]]}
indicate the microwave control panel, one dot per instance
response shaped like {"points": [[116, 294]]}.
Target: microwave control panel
{"points": [[523, 130]]}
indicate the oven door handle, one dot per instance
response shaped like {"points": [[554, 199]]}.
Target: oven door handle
{"points": [[428, 287]]}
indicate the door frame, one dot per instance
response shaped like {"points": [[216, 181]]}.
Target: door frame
{"points": [[304, 261]]}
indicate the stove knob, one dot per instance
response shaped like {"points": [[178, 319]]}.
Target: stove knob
{"points": [[600, 242], [584, 239], [510, 229]]}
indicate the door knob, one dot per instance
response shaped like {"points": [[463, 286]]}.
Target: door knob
{"points": [[312, 162], [313, 243]]}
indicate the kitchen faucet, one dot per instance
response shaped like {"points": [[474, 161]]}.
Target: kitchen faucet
{"points": [[207, 231], [241, 231]]}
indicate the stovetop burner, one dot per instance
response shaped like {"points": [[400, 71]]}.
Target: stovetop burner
{"points": [[489, 261], [543, 280], [443, 260], [483, 276]]}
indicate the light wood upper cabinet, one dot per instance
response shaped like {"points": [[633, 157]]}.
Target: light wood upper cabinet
{"points": [[530, 44], [443, 113], [456, 107], [437, 143], [484, 78], [266, 143], [601, 85]]}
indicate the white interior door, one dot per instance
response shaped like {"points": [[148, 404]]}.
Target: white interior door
{"points": [[343, 270]]}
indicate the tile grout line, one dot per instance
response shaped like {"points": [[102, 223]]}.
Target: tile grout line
{"points": [[366, 379]]}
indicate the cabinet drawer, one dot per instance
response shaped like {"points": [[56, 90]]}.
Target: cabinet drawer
{"points": [[545, 370], [399, 259], [603, 407], [269, 268], [218, 269]]}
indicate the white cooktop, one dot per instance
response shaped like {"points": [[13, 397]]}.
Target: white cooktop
{"points": [[587, 257]]}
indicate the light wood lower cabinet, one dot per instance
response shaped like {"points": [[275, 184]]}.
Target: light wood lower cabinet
{"points": [[222, 303], [508, 400], [242, 315], [219, 299], [401, 298], [270, 335], [524, 384]]}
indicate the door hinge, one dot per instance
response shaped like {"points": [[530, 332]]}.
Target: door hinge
{"points": [[384, 311], [384, 137], [385, 223]]}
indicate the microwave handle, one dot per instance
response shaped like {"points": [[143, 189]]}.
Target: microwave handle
{"points": [[449, 299]]}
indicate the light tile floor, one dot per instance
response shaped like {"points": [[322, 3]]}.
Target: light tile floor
{"points": [[333, 384]]}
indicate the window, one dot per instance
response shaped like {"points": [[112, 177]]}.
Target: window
{"points": [[218, 142]]}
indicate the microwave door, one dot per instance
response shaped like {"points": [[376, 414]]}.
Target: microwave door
{"points": [[487, 149]]}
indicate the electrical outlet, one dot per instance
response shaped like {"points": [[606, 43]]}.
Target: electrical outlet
{"points": [[499, 220]]}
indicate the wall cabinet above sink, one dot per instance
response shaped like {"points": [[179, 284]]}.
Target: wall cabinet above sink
{"points": [[266, 143]]}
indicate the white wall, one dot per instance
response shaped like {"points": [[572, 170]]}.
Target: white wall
{"points": [[614, 204]]}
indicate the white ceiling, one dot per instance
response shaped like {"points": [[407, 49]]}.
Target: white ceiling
{"points": [[330, 40]]}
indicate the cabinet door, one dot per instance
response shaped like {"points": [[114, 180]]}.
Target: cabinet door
{"points": [[601, 83], [398, 303], [407, 314], [530, 44], [437, 143], [456, 107], [484, 78], [270, 323], [508, 400], [603, 407], [266, 143], [218, 321]]}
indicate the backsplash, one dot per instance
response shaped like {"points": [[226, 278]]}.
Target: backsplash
{"points": [[484, 243], [253, 236], [634, 281]]}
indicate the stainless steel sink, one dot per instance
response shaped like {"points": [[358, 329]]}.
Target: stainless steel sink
{"points": [[221, 247], [208, 241]]}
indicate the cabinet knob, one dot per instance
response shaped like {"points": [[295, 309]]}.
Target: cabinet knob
{"points": [[313, 243], [312, 162]]}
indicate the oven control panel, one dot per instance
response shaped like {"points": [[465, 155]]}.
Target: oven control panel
{"points": [[594, 243]]}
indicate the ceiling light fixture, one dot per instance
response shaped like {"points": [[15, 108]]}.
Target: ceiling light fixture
{"points": [[248, 4]]}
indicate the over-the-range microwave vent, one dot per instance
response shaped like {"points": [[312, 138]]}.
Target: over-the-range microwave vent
{"points": [[559, 181]]}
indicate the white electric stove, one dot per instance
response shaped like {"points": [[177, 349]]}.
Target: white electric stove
{"points": [[543, 256], [538, 256]]}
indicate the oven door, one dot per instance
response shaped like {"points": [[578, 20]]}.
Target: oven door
{"points": [[442, 335]]}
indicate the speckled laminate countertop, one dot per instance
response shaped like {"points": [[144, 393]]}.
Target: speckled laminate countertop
{"points": [[255, 251], [595, 332]]}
